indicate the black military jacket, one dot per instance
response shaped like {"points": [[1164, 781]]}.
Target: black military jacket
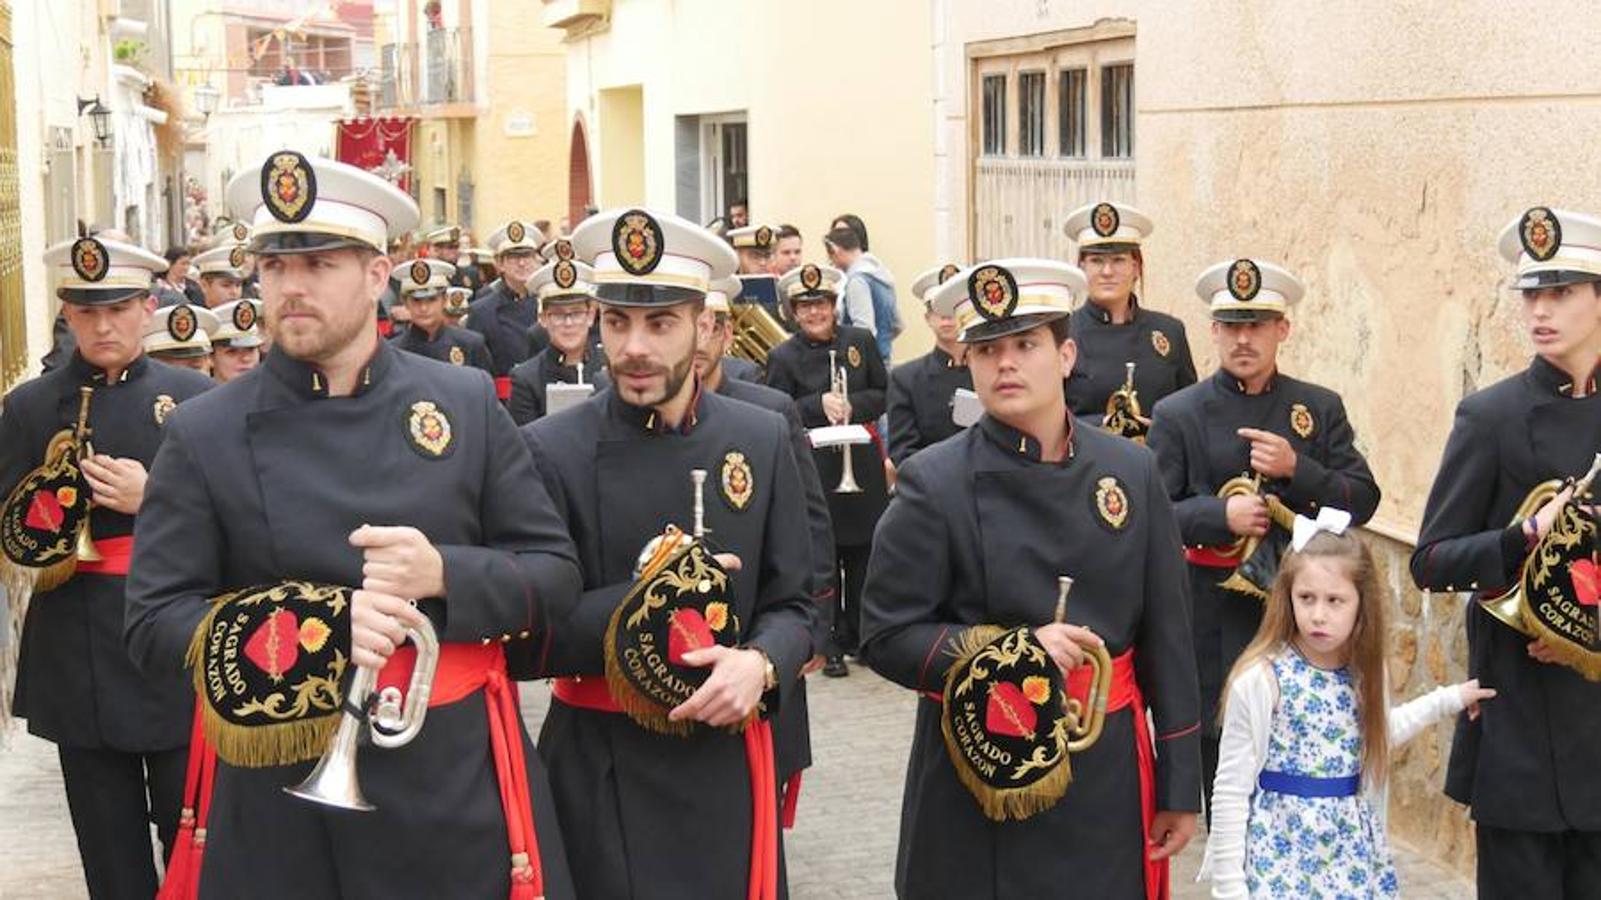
{"points": [[457, 346], [920, 405], [76, 685], [503, 319], [531, 377], [1193, 436], [1528, 761], [647, 814], [978, 532], [1154, 341], [799, 368], [792, 728]]}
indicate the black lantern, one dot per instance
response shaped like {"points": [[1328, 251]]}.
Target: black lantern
{"points": [[99, 117]]}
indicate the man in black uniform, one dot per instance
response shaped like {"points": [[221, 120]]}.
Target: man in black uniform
{"points": [[981, 528], [1526, 765], [180, 335], [650, 814], [792, 729], [1113, 329], [922, 392], [423, 283], [288, 475], [222, 273], [236, 346], [800, 368], [504, 310], [566, 292], [444, 244], [120, 737], [1249, 421]]}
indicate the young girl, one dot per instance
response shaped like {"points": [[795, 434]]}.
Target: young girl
{"points": [[1298, 804]]}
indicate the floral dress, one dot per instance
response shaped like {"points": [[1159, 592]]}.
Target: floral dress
{"points": [[1315, 848]]}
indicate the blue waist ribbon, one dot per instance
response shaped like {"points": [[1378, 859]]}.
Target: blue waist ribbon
{"points": [[1308, 786]]}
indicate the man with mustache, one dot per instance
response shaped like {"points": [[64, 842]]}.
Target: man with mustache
{"points": [[648, 813], [120, 738], [1526, 765], [1250, 420], [279, 555]]}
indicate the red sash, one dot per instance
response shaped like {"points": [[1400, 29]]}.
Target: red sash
{"points": [[591, 693], [503, 388], [463, 668], [1210, 557], [115, 554], [1125, 693]]}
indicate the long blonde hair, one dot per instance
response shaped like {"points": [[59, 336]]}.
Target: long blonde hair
{"points": [[1367, 641]]}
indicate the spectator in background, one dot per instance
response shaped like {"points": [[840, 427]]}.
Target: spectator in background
{"points": [[175, 286], [786, 250], [868, 299], [738, 213]]}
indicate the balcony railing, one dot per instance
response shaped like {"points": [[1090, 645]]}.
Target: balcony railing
{"points": [[1019, 204], [437, 71]]}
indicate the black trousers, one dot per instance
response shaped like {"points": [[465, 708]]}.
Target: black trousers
{"points": [[114, 797], [851, 575], [1539, 865]]}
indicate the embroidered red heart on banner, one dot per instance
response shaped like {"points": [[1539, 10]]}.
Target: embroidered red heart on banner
{"points": [[44, 512], [1009, 712], [275, 647], [687, 630], [1586, 580]]}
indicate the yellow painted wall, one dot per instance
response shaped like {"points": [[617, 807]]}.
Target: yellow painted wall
{"points": [[622, 154], [836, 93], [521, 176]]}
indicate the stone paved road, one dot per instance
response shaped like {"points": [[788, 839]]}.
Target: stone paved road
{"points": [[842, 848]]}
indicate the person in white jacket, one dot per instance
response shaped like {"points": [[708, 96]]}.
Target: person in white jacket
{"points": [[1307, 731]]}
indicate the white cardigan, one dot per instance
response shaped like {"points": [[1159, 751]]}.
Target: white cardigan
{"points": [[1246, 725]]}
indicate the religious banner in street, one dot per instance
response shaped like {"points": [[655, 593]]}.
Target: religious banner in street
{"points": [[381, 145]]}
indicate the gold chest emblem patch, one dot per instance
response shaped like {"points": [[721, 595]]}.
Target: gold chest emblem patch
{"points": [[1161, 343], [738, 483], [429, 428], [457, 358], [854, 357], [1111, 503], [1301, 420], [163, 406]]}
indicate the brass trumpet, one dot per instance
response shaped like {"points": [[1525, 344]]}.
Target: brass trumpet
{"points": [[1085, 723], [672, 540], [333, 781], [839, 383], [1244, 548], [1123, 411], [1507, 606], [86, 551]]}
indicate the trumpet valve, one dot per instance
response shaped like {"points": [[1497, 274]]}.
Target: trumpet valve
{"points": [[387, 714]]}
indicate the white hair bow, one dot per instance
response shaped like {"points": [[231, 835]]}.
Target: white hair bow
{"points": [[1329, 519]]}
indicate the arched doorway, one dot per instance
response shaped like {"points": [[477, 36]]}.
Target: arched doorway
{"points": [[579, 193]]}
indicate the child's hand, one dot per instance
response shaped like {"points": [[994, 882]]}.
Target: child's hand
{"points": [[1541, 651], [1472, 694]]}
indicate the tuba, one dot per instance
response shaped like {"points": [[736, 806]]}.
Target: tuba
{"points": [[756, 332], [1123, 411], [839, 383], [390, 724], [1508, 605], [1257, 557]]}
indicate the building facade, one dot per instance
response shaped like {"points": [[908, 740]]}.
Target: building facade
{"points": [[1374, 149], [805, 112], [484, 82]]}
